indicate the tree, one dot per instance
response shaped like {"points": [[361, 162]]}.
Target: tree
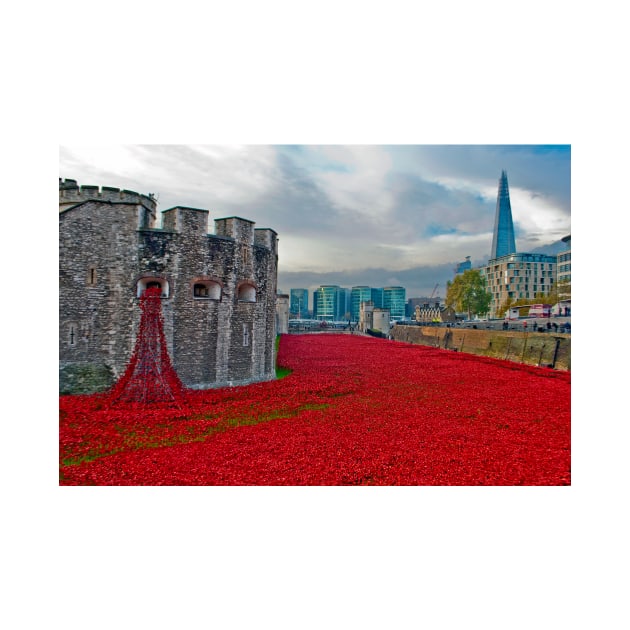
{"points": [[467, 293]]}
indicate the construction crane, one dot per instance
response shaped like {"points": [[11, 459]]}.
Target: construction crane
{"points": [[434, 290]]}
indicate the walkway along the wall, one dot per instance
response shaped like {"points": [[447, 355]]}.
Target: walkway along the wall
{"points": [[532, 348]]}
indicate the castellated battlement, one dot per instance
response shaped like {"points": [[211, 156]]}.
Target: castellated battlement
{"points": [[71, 193], [182, 219]]}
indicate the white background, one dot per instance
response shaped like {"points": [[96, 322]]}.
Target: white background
{"points": [[342, 72]]}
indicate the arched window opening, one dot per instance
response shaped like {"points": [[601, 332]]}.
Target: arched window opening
{"points": [[200, 290], [247, 293], [152, 283], [207, 290]]}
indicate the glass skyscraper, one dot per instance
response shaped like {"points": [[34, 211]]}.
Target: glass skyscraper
{"points": [[503, 237], [343, 304], [299, 302], [394, 298], [463, 266], [326, 302], [377, 298]]}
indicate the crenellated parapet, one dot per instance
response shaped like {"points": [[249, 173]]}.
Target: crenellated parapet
{"points": [[70, 193]]}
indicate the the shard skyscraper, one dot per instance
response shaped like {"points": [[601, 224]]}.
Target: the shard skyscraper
{"points": [[503, 239]]}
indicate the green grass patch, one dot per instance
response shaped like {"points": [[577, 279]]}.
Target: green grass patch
{"points": [[191, 435], [281, 372]]}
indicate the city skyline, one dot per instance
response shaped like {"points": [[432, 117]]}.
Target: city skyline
{"points": [[376, 215]]}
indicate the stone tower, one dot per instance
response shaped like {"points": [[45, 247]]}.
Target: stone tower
{"points": [[218, 289]]}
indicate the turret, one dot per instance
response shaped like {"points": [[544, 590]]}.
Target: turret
{"points": [[183, 219], [71, 194], [236, 228]]}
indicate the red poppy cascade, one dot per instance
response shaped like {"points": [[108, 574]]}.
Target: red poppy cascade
{"points": [[150, 376]]}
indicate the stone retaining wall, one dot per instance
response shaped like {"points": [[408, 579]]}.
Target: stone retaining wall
{"points": [[543, 349]]}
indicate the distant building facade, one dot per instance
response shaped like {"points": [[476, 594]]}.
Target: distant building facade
{"points": [[325, 302], [434, 313], [299, 302], [518, 276], [377, 297], [343, 304], [381, 320], [394, 299], [463, 266], [366, 315], [335, 303], [410, 308], [373, 318], [564, 271], [282, 313]]}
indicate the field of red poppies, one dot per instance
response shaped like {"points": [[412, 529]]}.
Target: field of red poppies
{"points": [[353, 410]]}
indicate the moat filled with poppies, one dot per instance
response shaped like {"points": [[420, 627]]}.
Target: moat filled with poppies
{"points": [[352, 410]]}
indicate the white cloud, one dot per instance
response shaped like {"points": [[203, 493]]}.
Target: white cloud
{"points": [[535, 214], [361, 187], [211, 175]]}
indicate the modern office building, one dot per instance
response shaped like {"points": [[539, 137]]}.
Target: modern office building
{"points": [[343, 304], [503, 242], [334, 303], [394, 299], [564, 271], [463, 266], [377, 298], [357, 295], [299, 303], [326, 302], [518, 276]]}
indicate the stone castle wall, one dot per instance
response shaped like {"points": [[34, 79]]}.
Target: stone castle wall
{"points": [[110, 250], [543, 349]]}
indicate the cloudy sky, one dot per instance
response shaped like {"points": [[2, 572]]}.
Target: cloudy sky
{"points": [[352, 214]]}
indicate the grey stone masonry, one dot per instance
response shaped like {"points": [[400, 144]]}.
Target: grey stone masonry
{"points": [[218, 290]]}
